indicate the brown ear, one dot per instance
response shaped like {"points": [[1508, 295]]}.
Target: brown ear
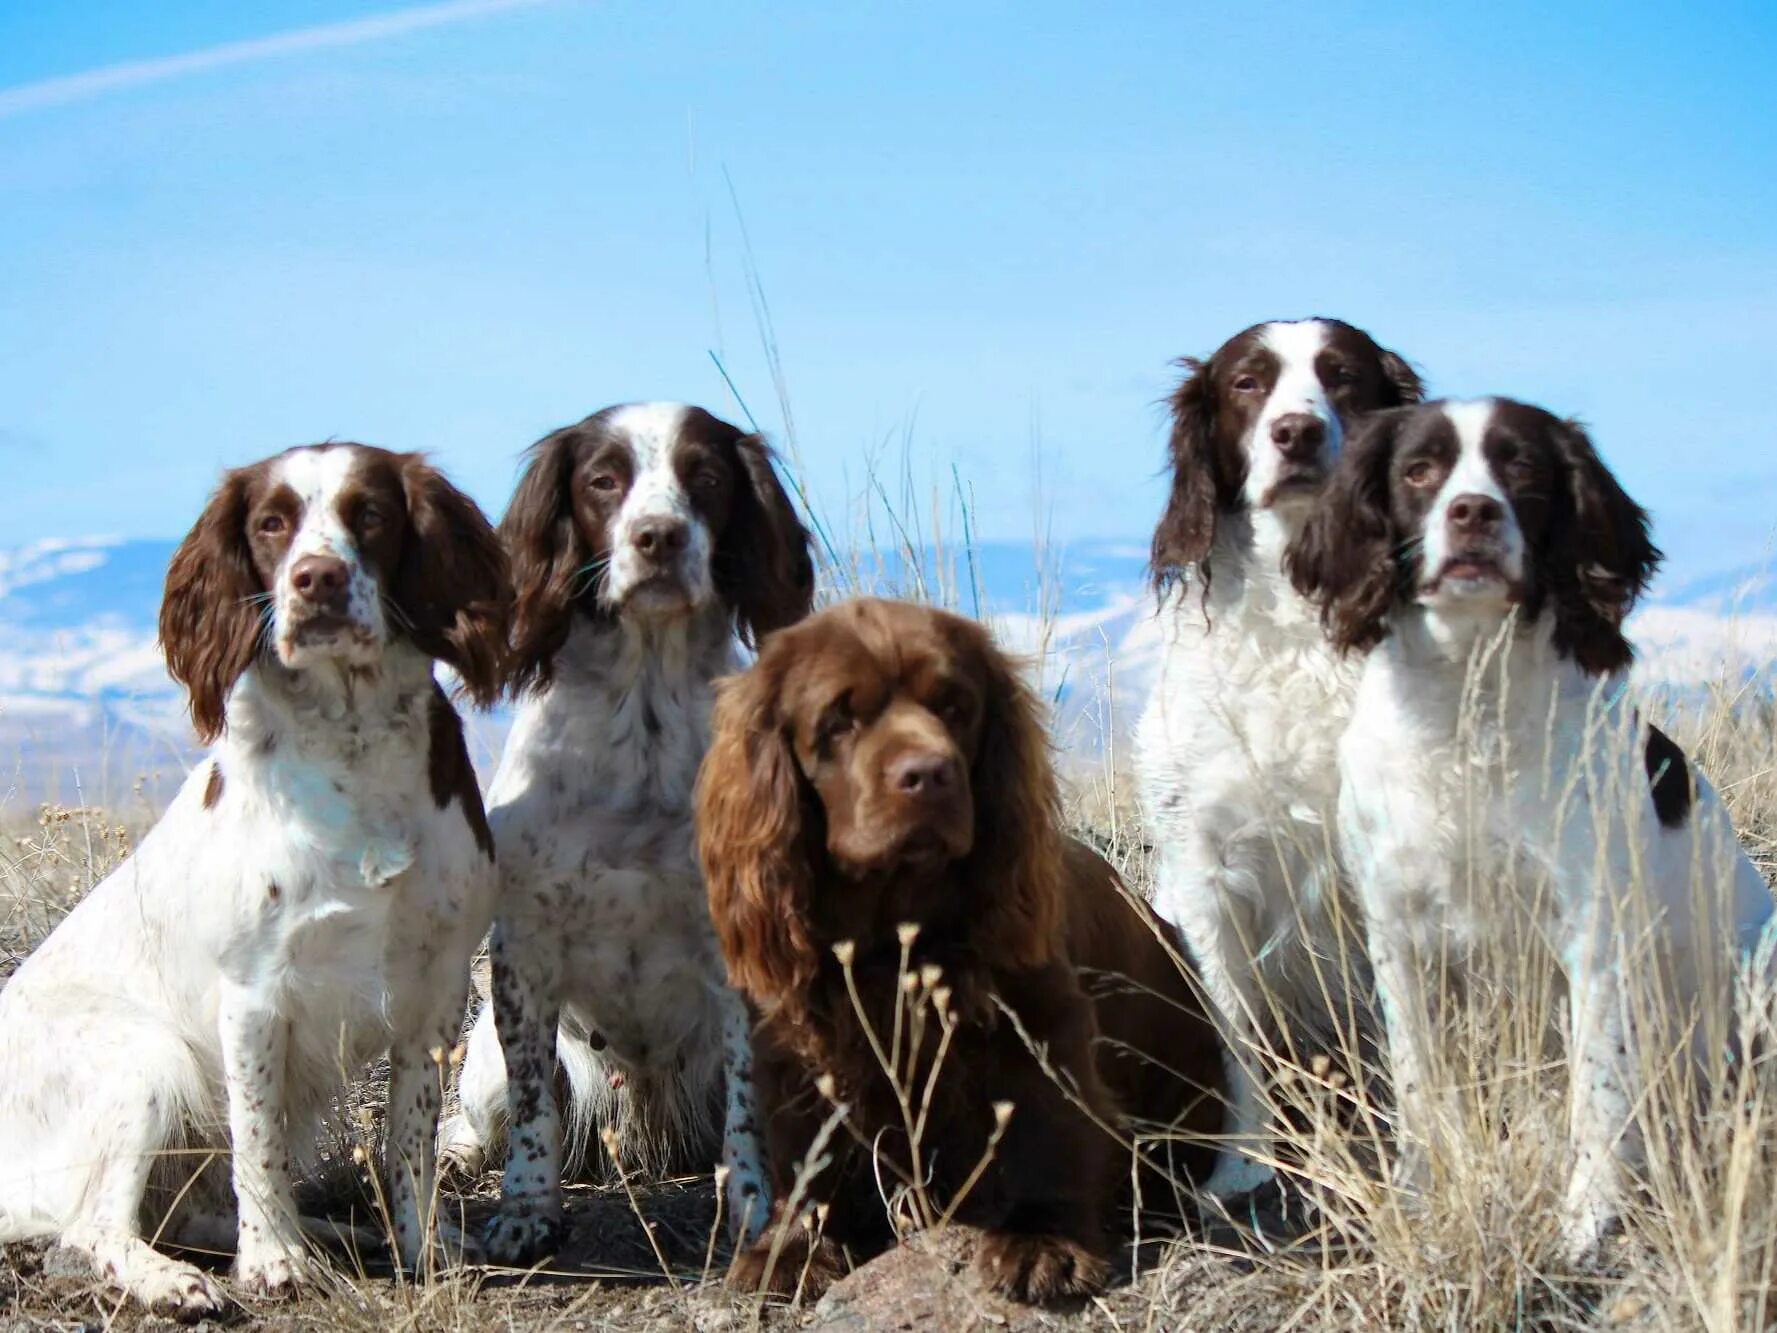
{"points": [[1402, 378], [1345, 555], [548, 558], [762, 566], [1015, 869], [751, 841], [1599, 559], [452, 586], [214, 614], [1201, 487]]}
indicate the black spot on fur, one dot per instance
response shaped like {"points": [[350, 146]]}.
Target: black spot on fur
{"points": [[1669, 774]]}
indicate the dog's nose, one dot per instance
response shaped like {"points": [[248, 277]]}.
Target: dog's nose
{"points": [[1474, 515], [1299, 436], [319, 578], [928, 776], [660, 538]]}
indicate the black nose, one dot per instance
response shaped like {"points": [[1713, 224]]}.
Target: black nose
{"points": [[927, 776], [1474, 515], [319, 578], [1299, 436], [660, 538]]}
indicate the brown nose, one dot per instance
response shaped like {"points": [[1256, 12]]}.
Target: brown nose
{"points": [[923, 776], [319, 578], [660, 538], [1299, 436], [1474, 515]]}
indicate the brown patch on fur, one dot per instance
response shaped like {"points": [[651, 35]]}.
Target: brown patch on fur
{"points": [[213, 787], [451, 772]]}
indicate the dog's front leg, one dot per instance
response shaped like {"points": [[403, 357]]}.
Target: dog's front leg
{"points": [[1602, 1128], [417, 1060], [270, 1259], [746, 1196], [526, 1015]]}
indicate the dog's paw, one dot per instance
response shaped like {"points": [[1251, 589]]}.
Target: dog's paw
{"points": [[800, 1265], [521, 1234], [1039, 1269], [178, 1291], [271, 1275]]}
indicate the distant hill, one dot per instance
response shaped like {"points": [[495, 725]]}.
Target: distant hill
{"points": [[84, 694]]}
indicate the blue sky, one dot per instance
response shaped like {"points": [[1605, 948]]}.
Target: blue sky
{"points": [[983, 231]]}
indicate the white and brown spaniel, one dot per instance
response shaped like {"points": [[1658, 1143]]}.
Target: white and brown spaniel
{"points": [[311, 898], [1494, 775], [1235, 751], [642, 539]]}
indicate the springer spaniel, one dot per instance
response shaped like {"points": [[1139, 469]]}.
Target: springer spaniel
{"points": [[1234, 752], [311, 898], [641, 540], [878, 819], [1484, 558]]}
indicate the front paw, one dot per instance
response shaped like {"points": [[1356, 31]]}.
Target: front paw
{"points": [[801, 1264], [1039, 1269], [272, 1274], [522, 1233]]}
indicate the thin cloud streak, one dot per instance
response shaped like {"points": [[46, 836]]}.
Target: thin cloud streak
{"points": [[71, 88]]}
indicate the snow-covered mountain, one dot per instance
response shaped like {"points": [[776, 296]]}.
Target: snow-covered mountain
{"points": [[87, 711]]}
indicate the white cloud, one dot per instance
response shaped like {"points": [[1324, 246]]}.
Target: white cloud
{"points": [[46, 93]]}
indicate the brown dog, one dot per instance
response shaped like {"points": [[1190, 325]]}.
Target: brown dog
{"points": [[883, 764]]}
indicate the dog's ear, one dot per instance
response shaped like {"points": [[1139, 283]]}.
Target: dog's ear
{"points": [[212, 621], [1014, 873], [762, 567], [452, 585], [1204, 484], [1599, 556], [751, 840], [1402, 379], [1346, 555], [548, 555]]}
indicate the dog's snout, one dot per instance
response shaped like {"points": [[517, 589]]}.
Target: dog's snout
{"points": [[924, 775], [660, 538], [1299, 436], [1476, 515], [320, 579]]}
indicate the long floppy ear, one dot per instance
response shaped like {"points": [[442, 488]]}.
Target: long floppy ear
{"points": [[762, 567], [750, 839], [1402, 378], [1015, 870], [1202, 486], [211, 615], [548, 558], [1345, 555], [1599, 557], [452, 585]]}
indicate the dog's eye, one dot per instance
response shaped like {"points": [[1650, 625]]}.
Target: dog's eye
{"points": [[604, 481], [1340, 376], [839, 725], [1245, 383], [271, 525], [709, 480], [1422, 473], [370, 516]]}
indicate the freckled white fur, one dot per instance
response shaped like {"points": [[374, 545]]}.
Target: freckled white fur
{"points": [[1479, 763], [316, 476], [603, 917], [1235, 763], [219, 988], [1472, 475]]}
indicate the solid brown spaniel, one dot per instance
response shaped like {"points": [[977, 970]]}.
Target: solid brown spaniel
{"points": [[881, 765]]}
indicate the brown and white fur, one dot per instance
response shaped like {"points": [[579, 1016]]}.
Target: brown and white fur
{"points": [[1494, 776], [641, 540], [1234, 753], [310, 899]]}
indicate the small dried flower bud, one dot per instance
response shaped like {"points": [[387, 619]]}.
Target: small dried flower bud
{"points": [[845, 951], [1322, 1064], [909, 982], [359, 1155], [907, 932], [723, 1171], [1002, 1113], [611, 1141], [458, 1053], [1338, 1078], [941, 998], [820, 1214], [438, 1053], [930, 975], [827, 1086]]}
